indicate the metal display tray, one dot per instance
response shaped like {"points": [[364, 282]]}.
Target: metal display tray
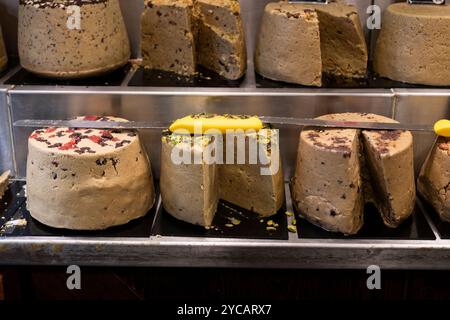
{"points": [[160, 240], [157, 239]]}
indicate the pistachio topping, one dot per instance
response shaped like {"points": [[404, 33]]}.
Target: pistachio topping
{"points": [[292, 228]]}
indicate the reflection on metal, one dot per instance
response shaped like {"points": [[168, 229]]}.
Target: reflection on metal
{"points": [[409, 106], [91, 124], [167, 104], [214, 252], [199, 252], [6, 156], [280, 122]]}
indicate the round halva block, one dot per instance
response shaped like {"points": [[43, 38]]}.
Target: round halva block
{"points": [[87, 179], [191, 192], [434, 179], [3, 55], [285, 54], [179, 35], [299, 43], [339, 170], [72, 39], [414, 44]]}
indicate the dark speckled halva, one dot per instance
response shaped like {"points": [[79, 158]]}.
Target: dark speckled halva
{"points": [[48, 47]]}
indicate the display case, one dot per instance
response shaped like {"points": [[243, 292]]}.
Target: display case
{"points": [[422, 242]]}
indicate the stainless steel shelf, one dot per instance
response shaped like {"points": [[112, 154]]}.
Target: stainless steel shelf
{"points": [[217, 252], [407, 105], [190, 252], [248, 87]]}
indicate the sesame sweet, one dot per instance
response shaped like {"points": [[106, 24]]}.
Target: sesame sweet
{"points": [[339, 170], [190, 192], [434, 178], [82, 178], [72, 38], [298, 43], [413, 45]]}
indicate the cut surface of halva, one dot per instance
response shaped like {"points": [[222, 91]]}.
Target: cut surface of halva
{"points": [[245, 185], [189, 191], [167, 36], [434, 178], [220, 39], [178, 35], [3, 55], [4, 180], [88, 179], [339, 170], [343, 45], [299, 43], [414, 44]]}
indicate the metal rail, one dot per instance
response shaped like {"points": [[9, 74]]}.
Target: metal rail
{"points": [[219, 252]]}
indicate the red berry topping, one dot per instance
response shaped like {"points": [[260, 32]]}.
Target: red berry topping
{"points": [[96, 139], [91, 118], [68, 145], [106, 134]]}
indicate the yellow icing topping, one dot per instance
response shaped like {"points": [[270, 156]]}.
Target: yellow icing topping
{"points": [[204, 122], [442, 128]]}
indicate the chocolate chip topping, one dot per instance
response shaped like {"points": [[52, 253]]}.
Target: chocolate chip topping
{"points": [[55, 145], [293, 15], [122, 143], [444, 144], [101, 162], [338, 143], [384, 138], [390, 135], [313, 136], [107, 135], [70, 139], [41, 4], [338, 148], [339, 140]]}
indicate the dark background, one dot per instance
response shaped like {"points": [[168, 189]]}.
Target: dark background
{"points": [[238, 285]]}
